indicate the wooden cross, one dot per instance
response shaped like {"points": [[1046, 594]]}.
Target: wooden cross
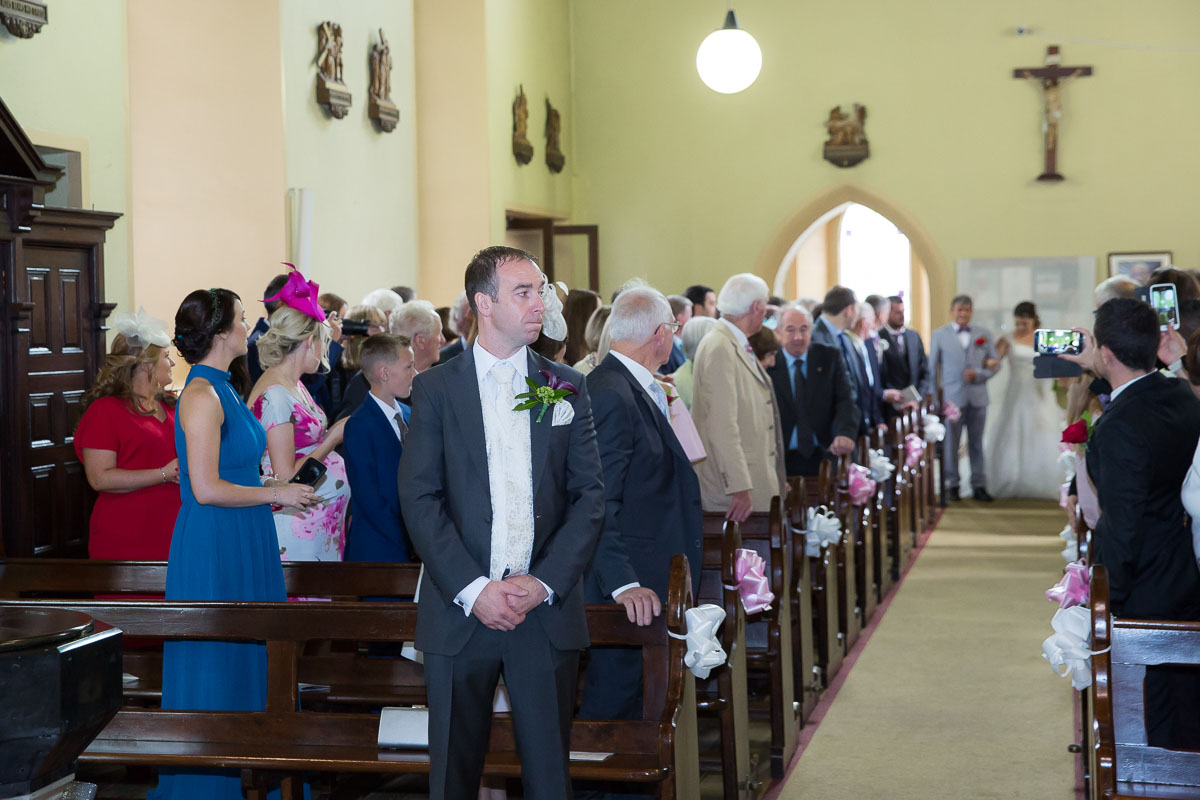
{"points": [[1050, 76]]}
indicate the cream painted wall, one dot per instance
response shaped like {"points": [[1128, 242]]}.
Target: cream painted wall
{"points": [[68, 87], [700, 185], [364, 182], [206, 134], [528, 43]]}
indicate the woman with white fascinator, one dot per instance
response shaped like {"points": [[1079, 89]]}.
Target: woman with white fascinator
{"points": [[126, 442]]}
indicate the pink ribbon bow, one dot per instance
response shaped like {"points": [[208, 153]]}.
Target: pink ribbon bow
{"points": [[861, 485], [752, 584], [951, 412], [1074, 589], [914, 450], [299, 294]]}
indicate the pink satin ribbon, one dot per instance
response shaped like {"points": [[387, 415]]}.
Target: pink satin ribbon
{"points": [[951, 412], [1074, 589], [861, 485], [914, 450], [752, 583], [1064, 492]]}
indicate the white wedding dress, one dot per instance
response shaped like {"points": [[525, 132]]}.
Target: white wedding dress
{"points": [[1024, 427]]}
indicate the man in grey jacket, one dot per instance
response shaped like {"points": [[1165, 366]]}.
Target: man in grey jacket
{"points": [[965, 356]]}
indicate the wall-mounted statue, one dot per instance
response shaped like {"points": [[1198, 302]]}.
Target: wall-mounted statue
{"points": [[554, 154], [380, 106], [847, 144], [331, 92], [25, 18], [522, 149]]}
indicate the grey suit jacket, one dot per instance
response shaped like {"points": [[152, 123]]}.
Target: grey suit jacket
{"points": [[946, 352], [446, 502]]}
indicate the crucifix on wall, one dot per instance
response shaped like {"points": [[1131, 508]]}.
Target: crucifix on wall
{"points": [[1052, 77]]}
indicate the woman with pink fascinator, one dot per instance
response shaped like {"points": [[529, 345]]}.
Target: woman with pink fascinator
{"points": [[297, 344]]}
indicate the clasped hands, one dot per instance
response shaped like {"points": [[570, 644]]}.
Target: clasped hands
{"points": [[502, 605]]}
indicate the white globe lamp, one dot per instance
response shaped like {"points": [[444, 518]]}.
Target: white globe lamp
{"points": [[729, 59]]}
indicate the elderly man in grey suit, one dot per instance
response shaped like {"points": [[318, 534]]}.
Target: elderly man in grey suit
{"points": [[965, 355], [504, 506]]}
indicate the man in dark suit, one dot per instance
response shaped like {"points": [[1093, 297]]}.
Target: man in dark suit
{"points": [[651, 495], [816, 404], [1138, 457], [372, 446], [904, 361], [504, 508]]}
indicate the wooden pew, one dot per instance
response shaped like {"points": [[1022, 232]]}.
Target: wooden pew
{"points": [[284, 745], [725, 694], [849, 611], [806, 677], [900, 499], [881, 523], [864, 521], [827, 592], [769, 633], [1124, 765]]}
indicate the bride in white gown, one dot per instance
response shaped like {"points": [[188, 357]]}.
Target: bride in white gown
{"points": [[1024, 421]]}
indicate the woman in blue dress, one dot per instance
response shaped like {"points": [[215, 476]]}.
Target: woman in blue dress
{"points": [[224, 545]]}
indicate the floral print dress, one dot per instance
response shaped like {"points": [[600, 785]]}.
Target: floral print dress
{"points": [[318, 534]]}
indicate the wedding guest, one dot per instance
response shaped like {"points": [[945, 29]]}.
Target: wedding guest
{"points": [[873, 396], [223, 547], [407, 293], [836, 315], [816, 405], [1138, 457], [764, 344], [904, 361], [448, 333], [651, 496], [577, 311], [126, 443], [385, 300], [965, 356], [260, 327], [327, 386], [551, 349], [592, 336], [681, 309], [734, 407], [1186, 286], [462, 320], [704, 300], [1116, 286], [294, 346], [374, 442], [684, 377], [419, 323], [355, 390]]}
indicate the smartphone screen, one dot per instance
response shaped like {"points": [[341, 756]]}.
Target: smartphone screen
{"points": [[1164, 301], [1052, 342]]}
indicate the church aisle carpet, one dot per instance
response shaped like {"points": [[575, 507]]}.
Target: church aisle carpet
{"points": [[950, 697]]}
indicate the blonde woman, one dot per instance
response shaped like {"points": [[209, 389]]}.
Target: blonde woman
{"points": [[126, 442], [295, 345]]}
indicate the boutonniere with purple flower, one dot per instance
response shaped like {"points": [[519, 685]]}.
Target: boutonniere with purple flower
{"points": [[552, 393]]}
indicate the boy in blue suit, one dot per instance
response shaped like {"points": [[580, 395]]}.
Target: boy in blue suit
{"points": [[373, 442]]}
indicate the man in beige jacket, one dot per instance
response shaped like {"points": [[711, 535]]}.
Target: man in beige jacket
{"points": [[734, 407]]}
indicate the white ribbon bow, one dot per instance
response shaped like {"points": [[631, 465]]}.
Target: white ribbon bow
{"points": [[553, 324], [704, 652], [140, 329], [1067, 649], [824, 528], [1071, 551], [935, 431], [881, 466], [1066, 461]]}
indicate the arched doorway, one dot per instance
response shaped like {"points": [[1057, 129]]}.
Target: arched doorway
{"points": [[818, 223]]}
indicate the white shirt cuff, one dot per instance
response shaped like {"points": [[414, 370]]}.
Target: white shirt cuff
{"points": [[467, 597], [626, 587], [549, 592]]}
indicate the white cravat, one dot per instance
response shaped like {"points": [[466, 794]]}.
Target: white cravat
{"points": [[510, 475], [964, 335]]}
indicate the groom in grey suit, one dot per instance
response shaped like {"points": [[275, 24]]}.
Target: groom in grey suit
{"points": [[504, 507], [966, 356]]}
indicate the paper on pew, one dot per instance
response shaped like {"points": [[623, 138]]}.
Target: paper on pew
{"points": [[581, 755], [404, 727]]}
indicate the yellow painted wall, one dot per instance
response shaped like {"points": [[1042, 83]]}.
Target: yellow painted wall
{"points": [[529, 43], [700, 185], [206, 134], [364, 232], [68, 87]]}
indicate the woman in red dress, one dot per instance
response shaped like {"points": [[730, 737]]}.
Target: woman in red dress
{"points": [[126, 442]]}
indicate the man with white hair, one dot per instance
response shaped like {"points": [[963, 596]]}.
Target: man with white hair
{"points": [[385, 300], [734, 407], [419, 321], [871, 395], [691, 334], [1116, 286], [651, 496], [461, 321]]}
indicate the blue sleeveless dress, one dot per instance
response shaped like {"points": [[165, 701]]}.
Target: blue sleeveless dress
{"points": [[219, 554]]}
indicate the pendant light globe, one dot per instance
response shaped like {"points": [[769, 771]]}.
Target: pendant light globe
{"points": [[729, 59]]}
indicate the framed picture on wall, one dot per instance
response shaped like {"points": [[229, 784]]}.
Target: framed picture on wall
{"points": [[1137, 265]]}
